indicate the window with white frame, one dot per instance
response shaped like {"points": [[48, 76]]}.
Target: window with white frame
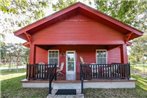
{"points": [[53, 57], [101, 56]]}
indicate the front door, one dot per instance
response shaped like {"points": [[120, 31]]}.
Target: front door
{"points": [[70, 65]]}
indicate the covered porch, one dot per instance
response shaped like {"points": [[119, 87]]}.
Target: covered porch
{"points": [[91, 76], [103, 66], [69, 56], [87, 72]]}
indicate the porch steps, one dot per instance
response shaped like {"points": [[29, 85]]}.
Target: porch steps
{"points": [[67, 85], [78, 91]]}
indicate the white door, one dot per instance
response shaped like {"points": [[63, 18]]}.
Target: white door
{"points": [[70, 65]]}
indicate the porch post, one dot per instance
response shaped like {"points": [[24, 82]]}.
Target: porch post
{"points": [[32, 54], [124, 56], [32, 61]]}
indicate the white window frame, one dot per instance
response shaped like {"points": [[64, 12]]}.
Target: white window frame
{"points": [[106, 55], [58, 55]]}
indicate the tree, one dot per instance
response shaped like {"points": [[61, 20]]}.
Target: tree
{"points": [[15, 14], [61, 4], [132, 12], [14, 54], [19, 13], [138, 50]]}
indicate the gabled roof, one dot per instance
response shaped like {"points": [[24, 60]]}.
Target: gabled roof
{"points": [[85, 10]]}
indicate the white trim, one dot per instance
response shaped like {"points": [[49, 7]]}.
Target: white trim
{"points": [[88, 84], [58, 55], [106, 55], [74, 62]]}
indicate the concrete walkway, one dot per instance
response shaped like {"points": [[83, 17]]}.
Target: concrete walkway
{"points": [[66, 96]]}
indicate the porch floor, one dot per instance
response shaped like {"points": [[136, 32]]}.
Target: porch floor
{"points": [[76, 84], [78, 81]]}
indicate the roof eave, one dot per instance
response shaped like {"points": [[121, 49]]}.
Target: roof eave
{"points": [[72, 7]]}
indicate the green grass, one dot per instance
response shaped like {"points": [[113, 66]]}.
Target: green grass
{"points": [[140, 68], [6, 74], [13, 71], [141, 82], [139, 92], [115, 93], [11, 88]]}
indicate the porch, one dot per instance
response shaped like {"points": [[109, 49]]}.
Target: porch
{"points": [[87, 71], [91, 76]]}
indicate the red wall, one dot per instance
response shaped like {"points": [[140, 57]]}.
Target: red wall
{"points": [[41, 55], [87, 52], [114, 55], [81, 34], [78, 30]]}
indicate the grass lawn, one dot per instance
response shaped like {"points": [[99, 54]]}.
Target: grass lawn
{"points": [[11, 88]]}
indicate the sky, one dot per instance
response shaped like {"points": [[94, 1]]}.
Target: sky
{"points": [[10, 38]]}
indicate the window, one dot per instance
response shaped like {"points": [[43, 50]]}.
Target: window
{"points": [[53, 57], [101, 56]]}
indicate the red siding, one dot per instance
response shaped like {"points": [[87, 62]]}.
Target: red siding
{"points": [[87, 52], [78, 30], [41, 55], [114, 55]]}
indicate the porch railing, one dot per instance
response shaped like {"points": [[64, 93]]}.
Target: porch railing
{"points": [[39, 71], [43, 72], [104, 71]]}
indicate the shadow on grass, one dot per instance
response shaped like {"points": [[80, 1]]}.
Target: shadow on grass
{"points": [[12, 88]]}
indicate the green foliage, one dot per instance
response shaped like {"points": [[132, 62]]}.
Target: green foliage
{"points": [[14, 53], [141, 82], [22, 6], [138, 50], [19, 13], [132, 12], [62, 4]]}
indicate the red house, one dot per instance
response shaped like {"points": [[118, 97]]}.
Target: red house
{"points": [[79, 34]]}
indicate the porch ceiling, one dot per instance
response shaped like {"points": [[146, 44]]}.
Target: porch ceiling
{"points": [[47, 47]]}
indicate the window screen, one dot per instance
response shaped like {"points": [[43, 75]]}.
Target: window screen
{"points": [[53, 56], [101, 56]]}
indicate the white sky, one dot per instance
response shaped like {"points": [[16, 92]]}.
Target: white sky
{"points": [[10, 38]]}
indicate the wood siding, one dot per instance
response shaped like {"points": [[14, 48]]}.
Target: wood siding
{"points": [[78, 30], [87, 52], [114, 55], [41, 55]]}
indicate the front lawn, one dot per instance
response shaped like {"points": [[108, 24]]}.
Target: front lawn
{"points": [[11, 88], [139, 92]]}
